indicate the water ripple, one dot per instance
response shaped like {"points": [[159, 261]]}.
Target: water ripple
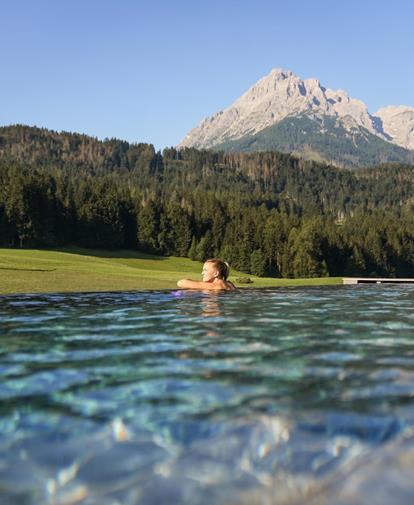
{"points": [[257, 396]]}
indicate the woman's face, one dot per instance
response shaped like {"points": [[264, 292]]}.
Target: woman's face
{"points": [[209, 272]]}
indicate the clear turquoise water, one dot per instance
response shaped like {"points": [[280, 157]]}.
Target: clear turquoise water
{"points": [[260, 396]]}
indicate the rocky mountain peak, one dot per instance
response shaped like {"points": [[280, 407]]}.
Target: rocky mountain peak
{"points": [[279, 73], [281, 94]]}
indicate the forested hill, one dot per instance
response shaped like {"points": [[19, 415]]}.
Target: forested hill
{"points": [[266, 212], [46, 148], [285, 181]]}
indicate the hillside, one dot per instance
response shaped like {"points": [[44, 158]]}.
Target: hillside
{"points": [[323, 139]]}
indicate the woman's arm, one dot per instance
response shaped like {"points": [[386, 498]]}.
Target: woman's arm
{"points": [[190, 284]]}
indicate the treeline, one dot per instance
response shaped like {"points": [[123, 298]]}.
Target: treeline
{"points": [[266, 213]]}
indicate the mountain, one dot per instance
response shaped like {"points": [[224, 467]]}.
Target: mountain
{"points": [[282, 111]]}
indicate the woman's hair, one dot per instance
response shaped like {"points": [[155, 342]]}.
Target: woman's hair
{"points": [[223, 267]]}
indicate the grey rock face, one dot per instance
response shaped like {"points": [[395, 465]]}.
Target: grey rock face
{"points": [[398, 123], [281, 94]]}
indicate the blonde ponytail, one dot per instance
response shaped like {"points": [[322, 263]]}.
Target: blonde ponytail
{"points": [[223, 268]]}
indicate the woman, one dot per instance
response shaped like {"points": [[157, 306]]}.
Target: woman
{"points": [[215, 273]]}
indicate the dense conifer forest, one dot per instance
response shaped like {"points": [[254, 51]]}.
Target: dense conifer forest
{"points": [[267, 213]]}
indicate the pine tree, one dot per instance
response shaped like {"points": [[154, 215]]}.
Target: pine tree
{"points": [[148, 227], [204, 249], [192, 252], [257, 263]]}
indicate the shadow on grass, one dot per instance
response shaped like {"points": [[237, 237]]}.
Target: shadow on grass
{"points": [[29, 269], [101, 253]]}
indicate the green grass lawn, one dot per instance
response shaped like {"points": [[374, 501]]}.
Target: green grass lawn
{"points": [[40, 271]]}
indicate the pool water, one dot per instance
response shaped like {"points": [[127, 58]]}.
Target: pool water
{"points": [[289, 395]]}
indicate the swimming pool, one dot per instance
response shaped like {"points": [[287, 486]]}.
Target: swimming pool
{"points": [[257, 396]]}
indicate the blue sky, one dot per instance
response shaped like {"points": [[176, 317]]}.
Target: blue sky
{"points": [[149, 71]]}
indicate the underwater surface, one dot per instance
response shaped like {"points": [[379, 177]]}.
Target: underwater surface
{"points": [[271, 396]]}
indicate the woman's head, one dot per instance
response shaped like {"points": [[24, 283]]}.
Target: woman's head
{"points": [[215, 269]]}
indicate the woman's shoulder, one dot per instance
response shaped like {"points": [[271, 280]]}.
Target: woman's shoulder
{"points": [[225, 284]]}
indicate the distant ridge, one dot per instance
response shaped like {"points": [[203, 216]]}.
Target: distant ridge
{"points": [[324, 124]]}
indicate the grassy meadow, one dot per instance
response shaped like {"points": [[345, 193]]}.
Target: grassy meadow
{"points": [[41, 271]]}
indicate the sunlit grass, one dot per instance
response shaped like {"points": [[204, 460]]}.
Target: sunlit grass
{"points": [[40, 271]]}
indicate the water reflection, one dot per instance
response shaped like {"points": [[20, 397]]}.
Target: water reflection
{"points": [[210, 305], [211, 309]]}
